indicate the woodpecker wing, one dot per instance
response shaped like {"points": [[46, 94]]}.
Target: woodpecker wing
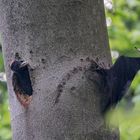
{"points": [[22, 97], [25, 82], [119, 78]]}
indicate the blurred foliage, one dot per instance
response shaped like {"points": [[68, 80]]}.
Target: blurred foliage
{"points": [[5, 129], [124, 36], [123, 21]]}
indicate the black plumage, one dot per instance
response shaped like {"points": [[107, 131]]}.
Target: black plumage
{"points": [[21, 81], [118, 78]]}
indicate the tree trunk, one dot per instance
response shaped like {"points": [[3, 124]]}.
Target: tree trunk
{"points": [[58, 38]]}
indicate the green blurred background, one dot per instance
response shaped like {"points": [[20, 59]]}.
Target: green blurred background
{"points": [[123, 21]]}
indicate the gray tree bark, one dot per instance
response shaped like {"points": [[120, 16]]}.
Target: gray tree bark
{"points": [[58, 38]]}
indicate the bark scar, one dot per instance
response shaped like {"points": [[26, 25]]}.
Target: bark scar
{"points": [[86, 65]]}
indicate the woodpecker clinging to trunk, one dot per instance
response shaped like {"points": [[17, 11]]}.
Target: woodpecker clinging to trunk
{"points": [[21, 81], [117, 79]]}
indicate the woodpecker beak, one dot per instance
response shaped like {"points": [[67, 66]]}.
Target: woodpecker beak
{"points": [[23, 64]]}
